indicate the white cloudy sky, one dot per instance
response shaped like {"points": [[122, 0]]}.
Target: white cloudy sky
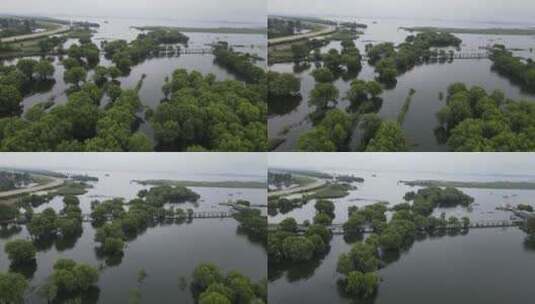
{"points": [[184, 163], [455, 163], [481, 10], [221, 10]]}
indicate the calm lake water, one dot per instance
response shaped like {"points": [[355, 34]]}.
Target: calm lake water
{"points": [[483, 266], [166, 252], [156, 69], [428, 80]]}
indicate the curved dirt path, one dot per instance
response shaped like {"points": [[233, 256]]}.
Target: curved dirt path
{"points": [[327, 30], [56, 182], [318, 183], [62, 29]]}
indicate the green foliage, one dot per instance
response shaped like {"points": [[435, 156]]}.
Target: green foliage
{"points": [[426, 199], [27, 66], [282, 85], [390, 61], [253, 224], [362, 285], [79, 125], [10, 99], [210, 286], [20, 251], [44, 69], [69, 276], [158, 196], [12, 287], [239, 64], [288, 225], [43, 224], [389, 137], [323, 75], [221, 116], [323, 94], [362, 91], [75, 75], [331, 134], [525, 207], [362, 257], [8, 212], [474, 121], [514, 68]]}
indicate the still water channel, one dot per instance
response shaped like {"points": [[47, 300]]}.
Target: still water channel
{"points": [[291, 120], [167, 252], [482, 266]]}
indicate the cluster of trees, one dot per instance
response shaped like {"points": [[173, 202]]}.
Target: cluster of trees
{"points": [[281, 85], [78, 125], [284, 205], [115, 225], [378, 135], [390, 61], [159, 196], [359, 266], [204, 114], [371, 215], [48, 44], [69, 277], [12, 287], [20, 252], [253, 223], [347, 61], [324, 212], [525, 207], [364, 96], [349, 179], [280, 180], [85, 54], [237, 63], [278, 27], [284, 92], [8, 212], [12, 180], [125, 55], [427, 199], [16, 81], [473, 120], [210, 286], [16, 26], [49, 225], [286, 245], [514, 68], [331, 134]]}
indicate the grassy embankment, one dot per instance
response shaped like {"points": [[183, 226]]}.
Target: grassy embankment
{"points": [[30, 46], [480, 185], [214, 30], [331, 191], [481, 31], [205, 184]]}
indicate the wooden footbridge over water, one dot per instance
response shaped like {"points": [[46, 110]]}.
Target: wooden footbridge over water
{"points": [[178, 51], [454, 56], [338, 229], [86, 218]]}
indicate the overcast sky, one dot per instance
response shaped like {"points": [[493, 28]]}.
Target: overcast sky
{"points": [[481, 10], [221, 10], [456, 163], [187, 163]]}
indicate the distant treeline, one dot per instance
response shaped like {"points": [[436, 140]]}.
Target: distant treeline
{"points": [[205, 184], [481, 185], [483, 31]]}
